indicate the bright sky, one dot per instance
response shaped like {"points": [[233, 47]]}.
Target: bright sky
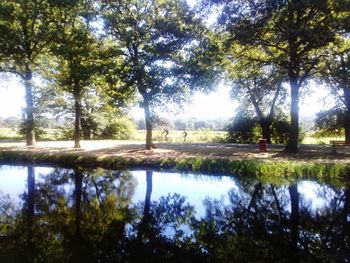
{"points": [[214, 105], [11, 98], [203, 106]]}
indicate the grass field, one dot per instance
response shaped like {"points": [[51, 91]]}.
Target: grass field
{"points": [[311, 139], [139, 135], [193, 136], [13, 134], [9, 133], [207, 136]]}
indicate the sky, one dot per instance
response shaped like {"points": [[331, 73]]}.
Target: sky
{"points": [[11, 98], [210, 106], [203, 106]]}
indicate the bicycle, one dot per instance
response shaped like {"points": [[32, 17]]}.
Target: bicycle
{"points": [[181, 139], [164, 139]]}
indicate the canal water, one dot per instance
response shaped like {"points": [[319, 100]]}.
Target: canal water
{"points": [[78, 215]]}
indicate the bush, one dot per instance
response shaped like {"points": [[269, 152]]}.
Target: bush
{"points": [[247, 130], [280, 132], [242, 130], [119, 129], [65, 134], [39, 132], [330, 123]]}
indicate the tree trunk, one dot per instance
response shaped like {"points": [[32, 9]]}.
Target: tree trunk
{"points": [[77, 107], [30, 120], [149, 143], [266, 129], [30, 212], [292, 145], [294, 220], [347, 114], [347, 126]]}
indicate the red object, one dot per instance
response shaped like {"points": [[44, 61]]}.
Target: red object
{"points": [[262, 145]]}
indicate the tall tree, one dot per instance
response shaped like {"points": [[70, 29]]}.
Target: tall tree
{"points": [[157, 40], [335, 72], [291, 32], [258, 86], [76, 57], [26, 31]]}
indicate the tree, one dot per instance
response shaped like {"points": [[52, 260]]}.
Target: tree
{"points": [[260, 86], [290, 34], [330, 123], [76, 59], [242, 129], [335, 72], [158, 41], [26, 31]]}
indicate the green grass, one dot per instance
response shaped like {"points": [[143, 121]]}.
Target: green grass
{"points": [[194, 136], [10, 133], [276, 172], [204, 136], [311, 139]]}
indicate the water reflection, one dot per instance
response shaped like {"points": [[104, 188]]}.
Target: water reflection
{"points": [[93, 216]]}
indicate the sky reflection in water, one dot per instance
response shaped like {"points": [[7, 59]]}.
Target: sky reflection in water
{"points": [[106, 216]]}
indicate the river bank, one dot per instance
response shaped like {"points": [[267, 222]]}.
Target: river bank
{"points": [[223, 158]]}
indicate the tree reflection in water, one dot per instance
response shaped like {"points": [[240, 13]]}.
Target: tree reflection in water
{"points": [[88, 216]]}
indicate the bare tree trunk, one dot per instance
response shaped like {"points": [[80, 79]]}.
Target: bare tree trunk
{"points": [[30, 120], [149, 143], [292, 145], [294, 220], [265, 122], [77, 106]]}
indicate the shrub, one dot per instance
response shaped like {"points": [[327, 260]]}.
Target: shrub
{"points": [[65, 134], [120, 129], [247, 130], [39, 132], [242, 130], [280, 131]]}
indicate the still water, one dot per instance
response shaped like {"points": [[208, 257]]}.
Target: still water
{"points": [[77, 215]]}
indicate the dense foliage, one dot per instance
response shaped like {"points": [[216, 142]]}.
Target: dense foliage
{"points": [[156, 53], [245, 129]]}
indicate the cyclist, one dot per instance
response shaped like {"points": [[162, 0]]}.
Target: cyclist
{"points": [[165, 134], [184, 135]]}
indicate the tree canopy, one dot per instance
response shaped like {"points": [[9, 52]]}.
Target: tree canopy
{"points": [[158, 41], [157, 52], [26, 31]]}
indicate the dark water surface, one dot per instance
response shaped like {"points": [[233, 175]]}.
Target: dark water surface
{"points": [[76, 215]]}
